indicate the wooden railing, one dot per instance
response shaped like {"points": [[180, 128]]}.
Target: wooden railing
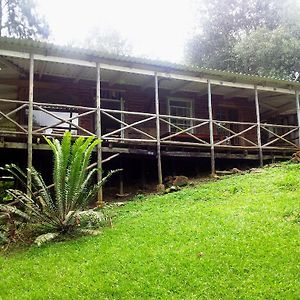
{"points": [[13, 126], [244, 134], [137, 124], [84, 111], [279, 139], [195, 123]]}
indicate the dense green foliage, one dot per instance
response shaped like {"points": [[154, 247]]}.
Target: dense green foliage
{"points": [[4, 186], [256, 37], [268, 52], [60, 211], [237, 238], [19, 18]]}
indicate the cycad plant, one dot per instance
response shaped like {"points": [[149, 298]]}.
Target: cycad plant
{"points": [[61, 210]]}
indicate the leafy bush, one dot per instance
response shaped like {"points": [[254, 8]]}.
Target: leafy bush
{"points": [[4, 186], [60, 211]]}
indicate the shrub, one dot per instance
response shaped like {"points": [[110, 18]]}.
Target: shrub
{"points": [[60, 211]]}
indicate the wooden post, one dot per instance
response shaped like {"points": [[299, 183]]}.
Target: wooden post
{"points": [[122, 106], [121, 190], [159, 169], [211, 131], [258, 128], [30, 120], [298, 114], [98, 133]]}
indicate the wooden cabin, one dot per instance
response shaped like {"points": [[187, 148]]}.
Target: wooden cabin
{"points": [[142, 107]]}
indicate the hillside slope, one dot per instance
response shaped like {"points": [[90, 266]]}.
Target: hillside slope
{"points": [[237, 238]]}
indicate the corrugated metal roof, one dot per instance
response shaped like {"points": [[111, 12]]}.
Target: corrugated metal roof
{"points": [[45, 48]]}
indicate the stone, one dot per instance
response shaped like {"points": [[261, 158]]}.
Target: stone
{"points": [[160, 188], [172, 189], [236, 170], [180, 181]]}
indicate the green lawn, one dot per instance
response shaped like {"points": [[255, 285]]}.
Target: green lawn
{"points": [[237, 238]]}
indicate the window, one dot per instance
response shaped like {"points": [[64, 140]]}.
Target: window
{"points": [[180, 108]]}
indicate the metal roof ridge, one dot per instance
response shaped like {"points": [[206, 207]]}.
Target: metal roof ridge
{"points": [[48, 45]]}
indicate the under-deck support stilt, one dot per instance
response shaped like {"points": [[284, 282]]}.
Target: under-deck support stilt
{"points": [[98, 133], [211, 131], [258, 128], [159, 169], [30, 120]]}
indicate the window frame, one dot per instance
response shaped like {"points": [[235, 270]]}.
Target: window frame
{"points": [[192, 111]]}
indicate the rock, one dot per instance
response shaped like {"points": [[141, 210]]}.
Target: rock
{"points": [[236, 170], [215, 176], [255, 170], [296, 156], [119, 203], [172, 189], [168, 181], [176, 181], [160, 188], [180, 181]]}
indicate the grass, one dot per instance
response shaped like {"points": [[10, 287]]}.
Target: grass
{"points": [[237, 238]]}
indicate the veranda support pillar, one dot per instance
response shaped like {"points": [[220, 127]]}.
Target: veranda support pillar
{"points": [[159, 169], [211, 131], [122, 106], [30, 119], [98, 133], [258, 128], [298, 114]]}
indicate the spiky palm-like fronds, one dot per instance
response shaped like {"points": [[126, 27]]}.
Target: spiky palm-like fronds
{"points": [[74, 189]]}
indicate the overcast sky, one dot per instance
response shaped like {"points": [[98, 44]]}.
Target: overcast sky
{"points": [[156, 28]]}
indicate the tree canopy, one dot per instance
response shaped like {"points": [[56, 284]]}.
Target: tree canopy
{"points": [[106, 40], [269, 53], [19, 18], [256, 36]]}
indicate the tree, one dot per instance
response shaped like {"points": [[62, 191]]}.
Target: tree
{"points": [[268, 52], [19, 18], [224, 23], [256, 37]]}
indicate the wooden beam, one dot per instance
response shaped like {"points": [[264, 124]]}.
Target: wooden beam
{"points": [[144, 71], [9, 64], [211, 130], [258, 128], [20, 145], [159, 168], [30, 124], [98, 133], [225, 155]]}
